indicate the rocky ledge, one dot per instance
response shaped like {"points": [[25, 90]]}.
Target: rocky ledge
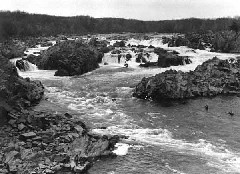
{"points": [[38, 142], [212, 78]]}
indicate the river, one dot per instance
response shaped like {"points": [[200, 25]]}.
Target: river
{"points": [[179, 138]]}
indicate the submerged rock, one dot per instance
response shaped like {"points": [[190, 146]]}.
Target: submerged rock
{"points": [[212, 78]]}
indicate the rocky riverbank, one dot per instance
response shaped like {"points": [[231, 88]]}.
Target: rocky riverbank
{"points": [[38, 142], [16, 91], [41, 142], [213, 77]]}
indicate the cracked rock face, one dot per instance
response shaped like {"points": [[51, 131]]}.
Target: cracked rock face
{"points": [[52, 144], [212, 78]]}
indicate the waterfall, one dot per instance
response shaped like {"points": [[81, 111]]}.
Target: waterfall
{"points": [[23, 65]]}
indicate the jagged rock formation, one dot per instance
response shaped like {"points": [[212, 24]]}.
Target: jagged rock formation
{"points": [[212, 78], [50, 143]]}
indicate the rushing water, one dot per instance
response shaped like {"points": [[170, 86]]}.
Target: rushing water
{"points": [[181, 138]]}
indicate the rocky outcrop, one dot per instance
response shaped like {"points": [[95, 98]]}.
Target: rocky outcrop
{"points": [[212, 78], [169, 58], [15, 90], [38, 142], [119, 44], [69, 58]]}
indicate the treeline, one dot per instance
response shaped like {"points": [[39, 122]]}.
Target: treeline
{"points": [[21, 24]]}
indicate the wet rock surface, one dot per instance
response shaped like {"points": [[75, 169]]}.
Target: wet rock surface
{"points": [[212, 78], [39, 142]]}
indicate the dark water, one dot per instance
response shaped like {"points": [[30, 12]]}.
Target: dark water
{"points": [[179, 138]]}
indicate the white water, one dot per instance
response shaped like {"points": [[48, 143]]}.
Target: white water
{"points": [[29, 66], [99, 106], [218, 156]]}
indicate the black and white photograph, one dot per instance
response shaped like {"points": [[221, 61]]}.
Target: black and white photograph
{"points": [[119, 87]]}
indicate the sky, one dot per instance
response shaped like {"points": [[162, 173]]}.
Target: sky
{"points": [[129, 9]]}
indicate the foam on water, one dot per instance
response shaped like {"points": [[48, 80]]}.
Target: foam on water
{"points": [[30, 66], [218, 155], [101, 109], [121, 149]]}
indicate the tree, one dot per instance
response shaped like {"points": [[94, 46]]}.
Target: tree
{"points": [[235, 27]]}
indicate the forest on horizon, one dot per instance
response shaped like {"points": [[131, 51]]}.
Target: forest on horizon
{"points": [[22, 24]]}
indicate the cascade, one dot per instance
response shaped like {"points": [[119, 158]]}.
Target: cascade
{"points": [[23, 65]]}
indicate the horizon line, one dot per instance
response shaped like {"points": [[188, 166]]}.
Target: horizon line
{"points": [[20, 11]]}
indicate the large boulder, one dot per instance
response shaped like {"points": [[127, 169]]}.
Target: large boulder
{"points": [[15, 90], [212, 78], [168, 58], [69, 58]]}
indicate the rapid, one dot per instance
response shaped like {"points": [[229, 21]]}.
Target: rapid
{"points": [[179, 138]]}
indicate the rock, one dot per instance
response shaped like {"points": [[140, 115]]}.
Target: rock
{"points": [[67, 115], [3, 114], [148, 64], [21, 126], [70, 58], [28, 135], [16, 91], [212, 78], [116, 51], [22, 65], [119, 44], [166, 59], [151, 46], [12, 123], [48, 171], [10, 156], [61, 158]]}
